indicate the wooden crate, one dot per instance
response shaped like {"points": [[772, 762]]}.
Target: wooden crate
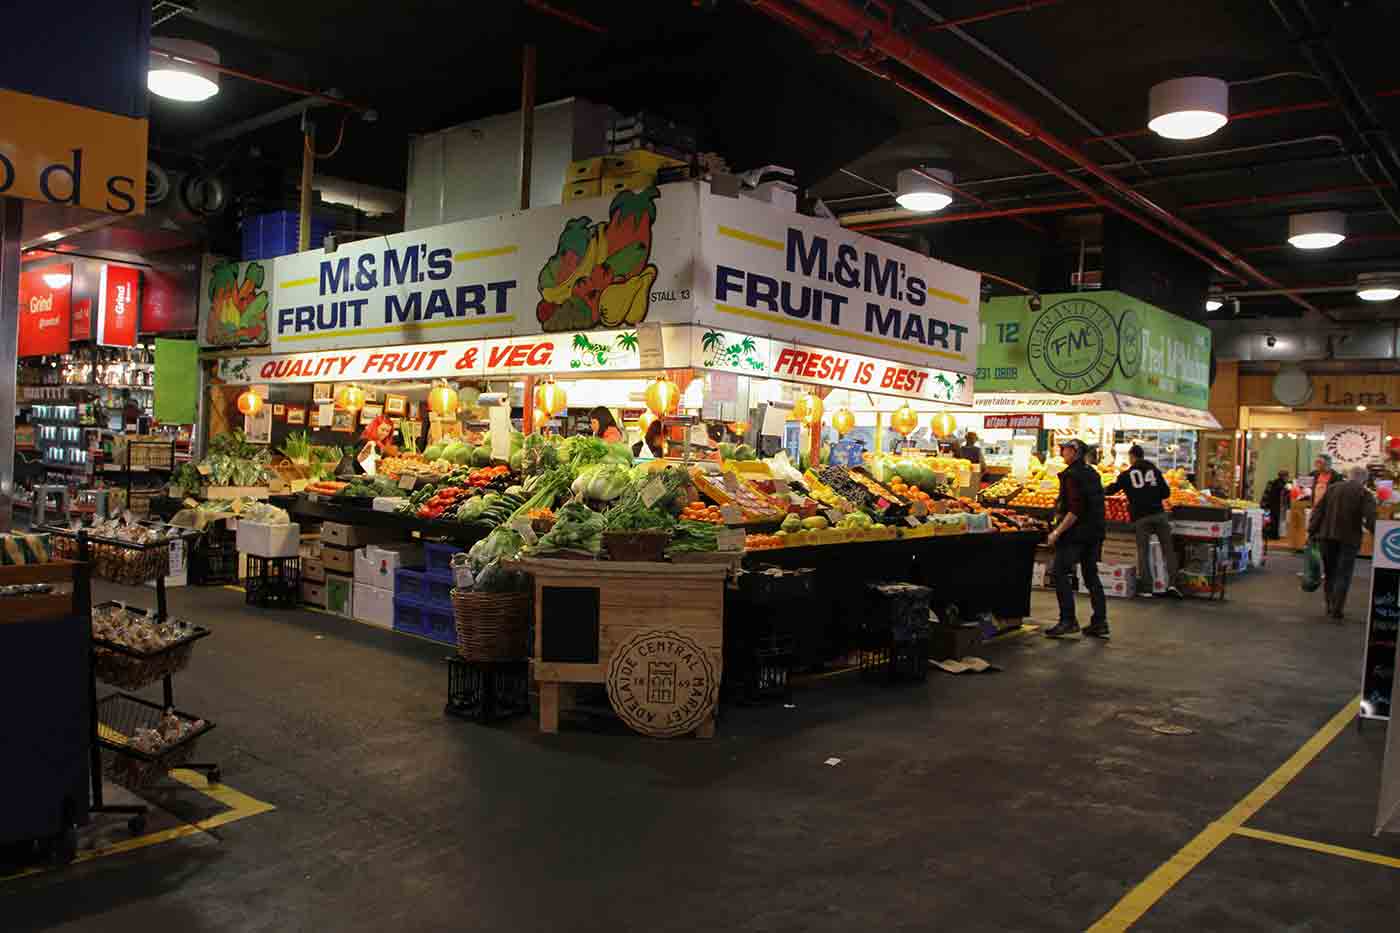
{"points": [[658, 645]]}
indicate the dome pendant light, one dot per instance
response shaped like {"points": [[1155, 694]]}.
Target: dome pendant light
{"points": [[1318, 230], [1377, 287], [1188, 108], [174, 77], [922, 191]]}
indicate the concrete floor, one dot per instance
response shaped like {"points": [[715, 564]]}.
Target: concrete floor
{"points": [[1033, 799]]}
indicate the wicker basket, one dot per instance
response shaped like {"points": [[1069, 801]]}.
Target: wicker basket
{"points": [[636, 545], [491, 626]]}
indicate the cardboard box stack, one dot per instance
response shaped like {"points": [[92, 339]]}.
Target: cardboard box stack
{"points": [[335, 563], [375, 569], [605, 176]]}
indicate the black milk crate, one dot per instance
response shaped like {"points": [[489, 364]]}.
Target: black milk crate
{"points": [[763, 673], [896, 661], [485, 691], [213, 561], [894, 636], [763, 587], [273, 582]]}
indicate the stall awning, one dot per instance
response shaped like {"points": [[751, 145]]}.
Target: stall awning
{"points": [[1093, 403]]}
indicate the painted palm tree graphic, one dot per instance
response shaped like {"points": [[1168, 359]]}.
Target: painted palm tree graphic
{"points": [[588, 354], [719, 352]]}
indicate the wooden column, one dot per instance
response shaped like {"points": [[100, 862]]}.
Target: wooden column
{"points": [[527, 123]]}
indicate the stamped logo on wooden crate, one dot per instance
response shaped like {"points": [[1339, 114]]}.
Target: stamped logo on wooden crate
{"points": [[662, 683]]}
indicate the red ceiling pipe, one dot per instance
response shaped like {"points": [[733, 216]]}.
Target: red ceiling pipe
{"points": [[829, 40], [1282, 196], [269, 82], [881, 39], [1275, 111], [968, 195], [926, 219], [573, 19], [1024, 7]]}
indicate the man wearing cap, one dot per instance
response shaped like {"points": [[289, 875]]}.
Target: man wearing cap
{"points": [[1146, 489], [1078, 541]]}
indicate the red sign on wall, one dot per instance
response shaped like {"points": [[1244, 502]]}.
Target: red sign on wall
{"points": [[1028, 422], [44, 298], [82, 319], [167, 303], [120, 296]]}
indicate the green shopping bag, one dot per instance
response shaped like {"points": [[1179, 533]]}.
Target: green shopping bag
{"points": [[1312, 566]]}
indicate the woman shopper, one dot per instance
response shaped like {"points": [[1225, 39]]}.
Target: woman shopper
{"points": [[1078, 542], [604, 425]]}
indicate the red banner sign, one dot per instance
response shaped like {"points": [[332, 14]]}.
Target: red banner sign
{"points": [[44, 298], [1027, 422], [167, 302], [116, 323], [82, 319]]}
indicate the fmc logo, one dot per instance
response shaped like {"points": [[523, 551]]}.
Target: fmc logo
{"points": [[1073, 346], [1390, 545]]}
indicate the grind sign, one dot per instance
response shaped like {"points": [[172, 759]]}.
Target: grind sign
{"points": [[662, 684]]}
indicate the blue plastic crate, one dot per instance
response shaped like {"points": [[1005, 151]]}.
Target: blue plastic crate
{"points": [[439, 557], [267, 236], [410, 583], [440, 625], [437, 590], [408, 616]]}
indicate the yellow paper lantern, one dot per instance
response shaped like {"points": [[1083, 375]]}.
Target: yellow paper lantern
{"points": [[943, 424], [843, 421], [738, 427], [443, 399], [541, 418], [807, 409], [350, 397], [904, 421], [663, 397], [645, 420], [551, 398], [250, 403]]}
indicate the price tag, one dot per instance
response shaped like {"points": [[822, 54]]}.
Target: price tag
{"points": [[732, 514], [407, 481], [523, 528], [918, 508], [835, 516], [882, 503], [730, 539], [652, 491], [731, 482], [912, 521]]}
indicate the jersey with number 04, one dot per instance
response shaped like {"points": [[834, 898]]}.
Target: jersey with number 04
{"points": [[1145, 487]]}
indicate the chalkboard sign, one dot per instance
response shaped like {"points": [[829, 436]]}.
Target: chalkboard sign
{"points": [[1382, 625]]}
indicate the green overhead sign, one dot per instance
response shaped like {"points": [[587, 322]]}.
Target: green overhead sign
{"points": [[1093, 342]]}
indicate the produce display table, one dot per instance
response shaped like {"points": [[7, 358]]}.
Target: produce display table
{"points": [[976, 573], [652, 632], [327, 510]]}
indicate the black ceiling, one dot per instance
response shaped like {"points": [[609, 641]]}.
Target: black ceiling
{"points": [[761, 93]]}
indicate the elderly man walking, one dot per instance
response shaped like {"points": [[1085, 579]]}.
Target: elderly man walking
{"points": [[1336, 524]]}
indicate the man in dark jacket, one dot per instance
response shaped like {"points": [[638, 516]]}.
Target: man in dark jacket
{"points": [[1274, 501], [1336, 524], [1078, 542], [1146, 489]]}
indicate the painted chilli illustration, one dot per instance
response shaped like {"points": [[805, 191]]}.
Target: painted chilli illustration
{"points": [[237, 310], [601, 275]]}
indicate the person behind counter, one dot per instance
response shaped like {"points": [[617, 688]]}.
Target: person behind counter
{"points": [[605, 425], [1323, 476], [969, 449], [653, 444]]}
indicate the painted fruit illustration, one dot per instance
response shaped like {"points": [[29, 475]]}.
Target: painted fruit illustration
{"points": [[600, 274], [238, 310]]}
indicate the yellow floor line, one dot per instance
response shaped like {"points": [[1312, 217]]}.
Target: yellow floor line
{"points": [[1374, 858], [1141, 898], [240, 807]]}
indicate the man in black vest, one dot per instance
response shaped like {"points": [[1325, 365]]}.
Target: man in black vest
{"points": [[1146, 489], [1078, 542]]}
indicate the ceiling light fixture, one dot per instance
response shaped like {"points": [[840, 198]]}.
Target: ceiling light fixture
{"points": [[1188, 108], [922, 191], [57, 279], [51, 236], [1318, 230], [1377, 286], [1214, 304], [175, 77]]}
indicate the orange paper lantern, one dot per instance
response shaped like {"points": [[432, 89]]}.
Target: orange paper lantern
{"points": [[663, 397], [443, 399], [808, 409], [250, 403], [551, 398], [843, 421], [904, 421], [350, 397], [943, 424], [541, 418], [738, 427]]}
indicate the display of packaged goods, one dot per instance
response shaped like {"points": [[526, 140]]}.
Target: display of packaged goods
{"points": [[754, 505], [17, 548], [132, 649]]}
